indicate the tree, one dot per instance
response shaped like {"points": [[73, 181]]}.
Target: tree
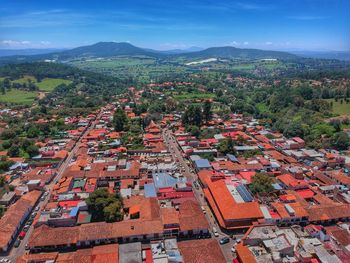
{"points": [[261, 183], [207, 113], [340, 141], [194, 130], [32, 150], [33, 132], [2, 181], [294, 129], [13, 151], [120, 120], [226, 146], [193, 115], [2, 210], [112, 212], [336, 123], [105, 206], [306, 92]]}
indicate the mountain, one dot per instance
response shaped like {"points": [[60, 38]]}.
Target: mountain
{"points": [[239, 53], [181, 51], [28, 51], [113, 49], [341, 55], [107, 49]]}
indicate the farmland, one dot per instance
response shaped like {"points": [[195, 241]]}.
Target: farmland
{"points": [[49, 84], [18, 96], [194, 96], [46, 85], [340, 107]]}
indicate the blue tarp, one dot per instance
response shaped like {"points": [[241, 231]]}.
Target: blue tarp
{"points": [[202, 163], [232, 158], [150, 190], [163, 180], [277, 186], [243, 192], [74, 212], [18, 166]]}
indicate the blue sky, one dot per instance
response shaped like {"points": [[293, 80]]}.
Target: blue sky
{"points": [[169, 24]]}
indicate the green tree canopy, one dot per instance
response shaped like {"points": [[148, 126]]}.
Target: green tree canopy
{"points": [[192, 115], [105, 206], [120, 120], [227, 146], [207, 112], [261, 183]]}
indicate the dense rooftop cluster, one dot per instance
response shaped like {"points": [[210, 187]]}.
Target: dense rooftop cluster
{"points": [[125, 185]]}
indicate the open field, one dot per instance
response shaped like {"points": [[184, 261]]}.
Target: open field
{"points": [[18, 96], [142, 68], [193, 96], [50, 84], [47, 84], [262, 107], [340, 108], [25, 79]]}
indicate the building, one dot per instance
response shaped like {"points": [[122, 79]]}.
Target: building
{"points": [[14, 218]]}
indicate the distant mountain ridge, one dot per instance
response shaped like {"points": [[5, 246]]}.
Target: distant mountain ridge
{"points": [[341, 55], [233, 52], [113, 49], [28, 51]]}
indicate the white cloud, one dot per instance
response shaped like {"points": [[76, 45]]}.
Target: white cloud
{"points": [[253, 6], [45, 43], [15, 42], [268, 43], [308, 17], [234, 43], [246, 43], [10, 43], [174, 45]]}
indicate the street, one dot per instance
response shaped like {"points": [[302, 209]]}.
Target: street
{"points": [[173, 148], [16, 252]]}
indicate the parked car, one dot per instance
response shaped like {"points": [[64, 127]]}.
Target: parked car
{"points": [[196, 185], [22, 235], [224, 240], [17, 243], [215, 232]]}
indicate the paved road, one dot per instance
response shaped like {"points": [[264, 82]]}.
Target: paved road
{"points": [[174, 150], [16, 252]]}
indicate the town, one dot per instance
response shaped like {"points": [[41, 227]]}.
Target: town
{"points": [[118, 186]]}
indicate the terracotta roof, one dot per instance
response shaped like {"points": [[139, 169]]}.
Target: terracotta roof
{"points": [[98, 254], [202, 250], [228, 208], [244, 254], [191, 216], [169, 216], [47, 236], [9, 223], [328, 212], [26, 258]]}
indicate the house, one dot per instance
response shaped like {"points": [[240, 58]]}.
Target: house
{"points": [[229, 213], [14, 218], [202, 164]]}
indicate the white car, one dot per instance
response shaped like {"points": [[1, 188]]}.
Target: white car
{"points": [[216, 234]]}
